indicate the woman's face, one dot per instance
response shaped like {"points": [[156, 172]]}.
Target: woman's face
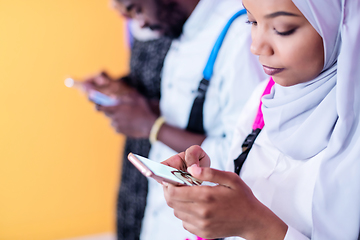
{"points": [[289, 48]]}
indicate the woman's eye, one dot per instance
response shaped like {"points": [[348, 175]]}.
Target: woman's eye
{"points": [[285, 33], [254, 23]]}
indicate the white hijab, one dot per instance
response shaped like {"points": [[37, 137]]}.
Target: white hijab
{"points": [[304, 119]]}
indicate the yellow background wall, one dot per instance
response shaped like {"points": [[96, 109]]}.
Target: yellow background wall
{"points": [[59, 159]]}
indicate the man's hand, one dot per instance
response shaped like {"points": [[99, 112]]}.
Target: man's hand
{"points": [[132, 117], [104, 84]]}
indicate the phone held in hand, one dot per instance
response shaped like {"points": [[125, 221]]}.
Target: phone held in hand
{"points": [[93, 95], [101, 99], [161, 172]]}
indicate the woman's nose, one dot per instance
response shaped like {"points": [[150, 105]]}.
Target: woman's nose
{"points": [[260, 44]]}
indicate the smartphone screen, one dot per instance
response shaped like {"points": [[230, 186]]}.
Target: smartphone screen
{"points": [[101, 99], [94, 95], [161, 172]]}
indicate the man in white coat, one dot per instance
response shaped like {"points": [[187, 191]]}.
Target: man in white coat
{"points": [[195, 26]]}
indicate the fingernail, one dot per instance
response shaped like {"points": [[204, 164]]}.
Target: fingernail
{"points": [[165, 184], [194, 170]]}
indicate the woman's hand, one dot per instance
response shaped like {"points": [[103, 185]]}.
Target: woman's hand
{"points": [[229, 209], [193, 155]]}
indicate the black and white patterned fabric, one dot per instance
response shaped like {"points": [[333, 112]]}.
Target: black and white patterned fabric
{"points": [[145, 67]]}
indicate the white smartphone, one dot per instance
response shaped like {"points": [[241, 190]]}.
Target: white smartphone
{"points": [[93, 95], [101, 99], [161, 172]]}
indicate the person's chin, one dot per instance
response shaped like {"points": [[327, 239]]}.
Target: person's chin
{"points": [[283, 81], [159, 32], [172, 34]]}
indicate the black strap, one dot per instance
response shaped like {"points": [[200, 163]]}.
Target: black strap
{"points": [[246, 147], [195, 123]]}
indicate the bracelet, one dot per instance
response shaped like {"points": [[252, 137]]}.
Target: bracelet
{"points": [[155, 129]]}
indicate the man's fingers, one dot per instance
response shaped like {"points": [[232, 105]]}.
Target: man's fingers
{"points": [[97, 107], [104, 74], [108, 110], [102, 79], [126, 99], [97, 81]]}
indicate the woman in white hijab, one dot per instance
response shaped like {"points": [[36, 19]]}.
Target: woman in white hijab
{"points": [[301, 178]]}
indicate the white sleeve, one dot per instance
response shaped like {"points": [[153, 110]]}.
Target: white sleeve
{"points": [[293, 234]]}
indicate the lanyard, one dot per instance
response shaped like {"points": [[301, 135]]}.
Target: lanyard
{"points": [[208, 71], [195, 123], [257, 126]]}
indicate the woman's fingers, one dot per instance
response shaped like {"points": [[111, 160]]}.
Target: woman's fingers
{"points": [[196, 155], [193, 155], [228, 179], [199, 207], [177, 161]]}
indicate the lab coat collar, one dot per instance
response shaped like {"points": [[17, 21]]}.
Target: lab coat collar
{"points": [[198, 17]]}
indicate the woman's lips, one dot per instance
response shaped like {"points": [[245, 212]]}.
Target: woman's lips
{"points": [[272, 71]]}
